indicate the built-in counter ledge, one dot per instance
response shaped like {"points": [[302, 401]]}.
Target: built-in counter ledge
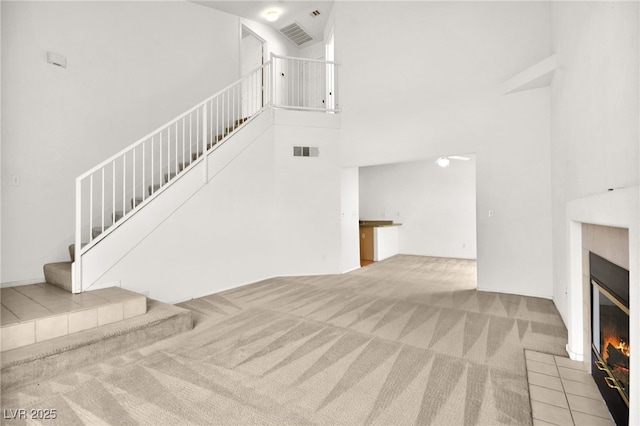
{"points": [[378, 223]]}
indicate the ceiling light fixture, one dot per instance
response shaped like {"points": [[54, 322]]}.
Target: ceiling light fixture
{"points": [[272, 15], [443, 162]]}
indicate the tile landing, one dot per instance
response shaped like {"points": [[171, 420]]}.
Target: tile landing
{"points": [[39, 312], [563, 393]]}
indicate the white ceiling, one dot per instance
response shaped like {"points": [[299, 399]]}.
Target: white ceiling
{"points": [[290, 11]]}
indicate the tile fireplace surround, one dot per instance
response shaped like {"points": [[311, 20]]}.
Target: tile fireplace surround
{"points": [[618, 213]]}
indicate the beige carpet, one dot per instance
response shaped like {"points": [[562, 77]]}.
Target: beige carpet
{"points": [[404, 341]]}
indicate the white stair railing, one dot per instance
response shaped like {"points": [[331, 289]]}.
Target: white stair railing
{"points": [[115, 189]]}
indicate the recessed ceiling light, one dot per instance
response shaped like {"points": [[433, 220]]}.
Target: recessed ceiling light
{"points": [[443, 162], [272, 15]]}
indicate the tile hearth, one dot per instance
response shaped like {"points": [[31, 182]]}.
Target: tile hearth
{"points": [[563, 393]]}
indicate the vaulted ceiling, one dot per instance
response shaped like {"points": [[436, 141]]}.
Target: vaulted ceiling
{"points": [[298, 11]]}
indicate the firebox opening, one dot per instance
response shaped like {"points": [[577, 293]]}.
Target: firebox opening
{"points": [[610, 334]]}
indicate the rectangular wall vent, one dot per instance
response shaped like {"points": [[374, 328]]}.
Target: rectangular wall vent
{"points": [[296, 34], [306, 151]]}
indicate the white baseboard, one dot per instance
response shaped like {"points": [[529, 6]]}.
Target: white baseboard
{"points": [[23, 282], [574, 355], [510, 291], [351, 270]]}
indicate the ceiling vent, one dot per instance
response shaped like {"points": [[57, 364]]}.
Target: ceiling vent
{"points": [[296, 34], [315, 13]]}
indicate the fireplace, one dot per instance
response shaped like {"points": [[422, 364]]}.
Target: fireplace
{"points": [[610, 334]]}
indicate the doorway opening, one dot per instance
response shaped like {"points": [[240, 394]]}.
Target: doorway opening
{"points": [[419, 208], [252, 56], [330, 75]]}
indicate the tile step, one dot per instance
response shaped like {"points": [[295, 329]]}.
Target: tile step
{"points": [[50, 358], [37, 313]]}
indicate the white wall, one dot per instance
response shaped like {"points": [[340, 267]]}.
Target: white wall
{"points": [[1, 149], [350, 215], [264, 214], [594, 106], [218, 239], [385, 242], [315, 51], [274, 41], [436, 206], [428, 82], [131, 67], [430, 85], [514, 181], [307, 195], [251, 54]]}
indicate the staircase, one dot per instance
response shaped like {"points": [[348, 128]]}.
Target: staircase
{"points": [[53, 327], [59, 274], [116, 189]]}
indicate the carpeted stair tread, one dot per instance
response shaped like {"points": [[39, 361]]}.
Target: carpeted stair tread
{"points": [[96, 231], [58, 274], [135, 202], [154, 188], [72, 251], [53, 357], [117, 216]]}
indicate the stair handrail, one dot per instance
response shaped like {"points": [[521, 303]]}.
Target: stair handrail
{"points": [[293, 58], [168, 124]]}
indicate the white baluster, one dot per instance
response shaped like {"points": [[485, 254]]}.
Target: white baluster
{"points": [[217, 117], [197, 131], [124, 183], [144, 177], [176, 156], [113, 191], [91, 208], [205, 168], [102, 206], [183, 159], [153, 160], [133, 168], [161, 148], [77, 266]]}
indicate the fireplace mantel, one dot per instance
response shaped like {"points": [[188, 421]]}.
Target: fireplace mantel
{"points": [[618, 208]]}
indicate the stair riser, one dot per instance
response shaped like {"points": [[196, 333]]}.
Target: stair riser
{"points": [[91, 351], [58, 274]]}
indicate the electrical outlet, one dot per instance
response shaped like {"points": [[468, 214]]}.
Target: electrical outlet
{"points": [[15, 181], [491, 213]]}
